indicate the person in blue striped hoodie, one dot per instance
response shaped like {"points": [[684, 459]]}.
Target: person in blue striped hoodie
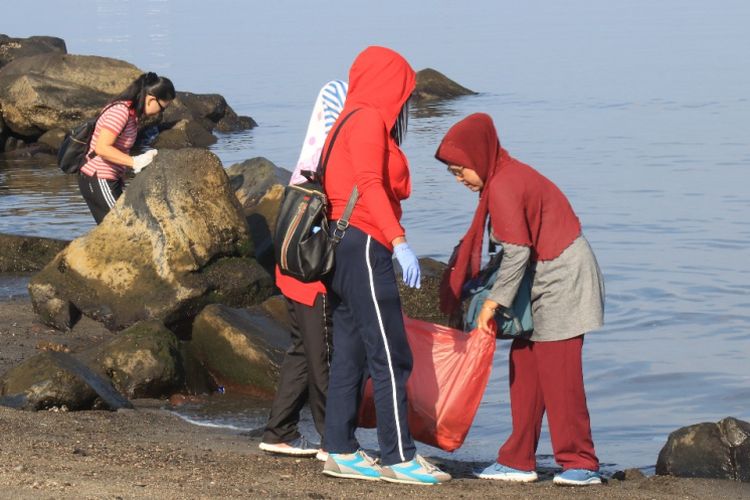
{"points": [[304, 371]]}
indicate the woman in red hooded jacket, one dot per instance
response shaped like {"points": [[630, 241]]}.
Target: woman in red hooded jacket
{"points": [[535, 225], [369, 334]]}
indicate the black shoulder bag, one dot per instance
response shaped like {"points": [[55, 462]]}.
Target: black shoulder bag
{"points": [[304, 246], [73, 152]]}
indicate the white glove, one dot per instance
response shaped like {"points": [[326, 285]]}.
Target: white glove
{"points": [[140, 161]]}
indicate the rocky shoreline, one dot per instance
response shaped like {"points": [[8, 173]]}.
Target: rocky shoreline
{"points": [[147, 452], [173, 294], [150, 452]]}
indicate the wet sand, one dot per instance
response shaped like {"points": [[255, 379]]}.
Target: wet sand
{"points": [[150, 453]]}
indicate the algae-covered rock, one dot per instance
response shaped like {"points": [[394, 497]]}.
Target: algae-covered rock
{"points": [[20, 254], [252, 179], [184, 134], [56, 379], [259, 186], [209, 110], [56, 90], [174, 242], [16, 48], [711, 450], [143, 361], [433, 85], [242, 350]]}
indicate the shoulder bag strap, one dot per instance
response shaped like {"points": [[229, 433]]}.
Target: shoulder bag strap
{"points": [[92, 154], [343, 222], [322, 164]]}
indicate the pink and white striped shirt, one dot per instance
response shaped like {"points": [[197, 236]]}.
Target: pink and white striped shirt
{"points": [[121, 121]]}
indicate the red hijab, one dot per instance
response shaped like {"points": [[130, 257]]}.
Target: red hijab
{"points": [[526, 208], [471, 143]]}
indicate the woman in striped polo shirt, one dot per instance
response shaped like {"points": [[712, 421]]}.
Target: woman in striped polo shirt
{"points": [[101, 179]]}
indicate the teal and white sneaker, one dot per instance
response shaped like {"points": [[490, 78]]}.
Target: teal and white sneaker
{"points": [[500, 472], [357, 465], [415, 471], [577, 477]]}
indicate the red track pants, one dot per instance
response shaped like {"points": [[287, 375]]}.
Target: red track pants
{"points": [[548, 376]]}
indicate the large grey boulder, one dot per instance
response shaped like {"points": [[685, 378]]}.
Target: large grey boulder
{"points": [[259, 186], [56, 90], [142, 362], [20, 254], [174, 242], [210, 110], [56, 379], [433, 85], [711, 450], [184, 134], [241, 349], [16, 48], [252, 179]]}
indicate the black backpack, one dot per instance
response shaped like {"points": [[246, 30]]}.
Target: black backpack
{"points": [[303, 245], [75, 146]]}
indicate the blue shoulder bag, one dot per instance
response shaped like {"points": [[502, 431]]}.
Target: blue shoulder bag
{"points": [[512, 322]]}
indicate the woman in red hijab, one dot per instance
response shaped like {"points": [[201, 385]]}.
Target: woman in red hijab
{"points": [[535, 225]]}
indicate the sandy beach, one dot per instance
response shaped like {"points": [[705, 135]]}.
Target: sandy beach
{"points": [[151, 453]]}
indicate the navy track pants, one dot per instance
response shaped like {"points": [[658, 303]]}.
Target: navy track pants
{"points": [[368, 336]]}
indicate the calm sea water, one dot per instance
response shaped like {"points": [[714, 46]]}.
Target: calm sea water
{"points": [[638, 111]]}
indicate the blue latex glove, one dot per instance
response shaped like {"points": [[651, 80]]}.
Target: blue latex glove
{"points": [[409, 265]]}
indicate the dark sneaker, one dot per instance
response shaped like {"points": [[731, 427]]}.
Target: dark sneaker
{"points": [[300, 447], [415, 471], [500, 472], [577, 477], [357, 465]]}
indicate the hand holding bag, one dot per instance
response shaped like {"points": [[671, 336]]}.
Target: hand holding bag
{"points": [[512, 322]]}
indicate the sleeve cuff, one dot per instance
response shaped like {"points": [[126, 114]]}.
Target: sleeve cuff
{"points": [[393, 232]]}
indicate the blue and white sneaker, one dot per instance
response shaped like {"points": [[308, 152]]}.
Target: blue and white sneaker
{"points": [[577, 477], [357, 465], [299, 447], [500, 472], [415, 471]]}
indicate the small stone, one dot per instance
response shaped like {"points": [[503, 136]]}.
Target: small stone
{"points": [[20, 468], [628, 475]]}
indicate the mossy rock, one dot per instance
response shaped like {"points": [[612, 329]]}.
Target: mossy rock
{"points": [[143, 361], [240, 349]]}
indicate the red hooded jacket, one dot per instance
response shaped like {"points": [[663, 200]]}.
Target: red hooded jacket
{"points": [[365, 154]]}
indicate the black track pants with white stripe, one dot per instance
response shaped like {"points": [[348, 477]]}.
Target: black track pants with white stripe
{"points": [[100, 194], [368, 335]]}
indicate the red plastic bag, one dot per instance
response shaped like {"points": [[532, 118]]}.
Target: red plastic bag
{"points": [[447, 382]]}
